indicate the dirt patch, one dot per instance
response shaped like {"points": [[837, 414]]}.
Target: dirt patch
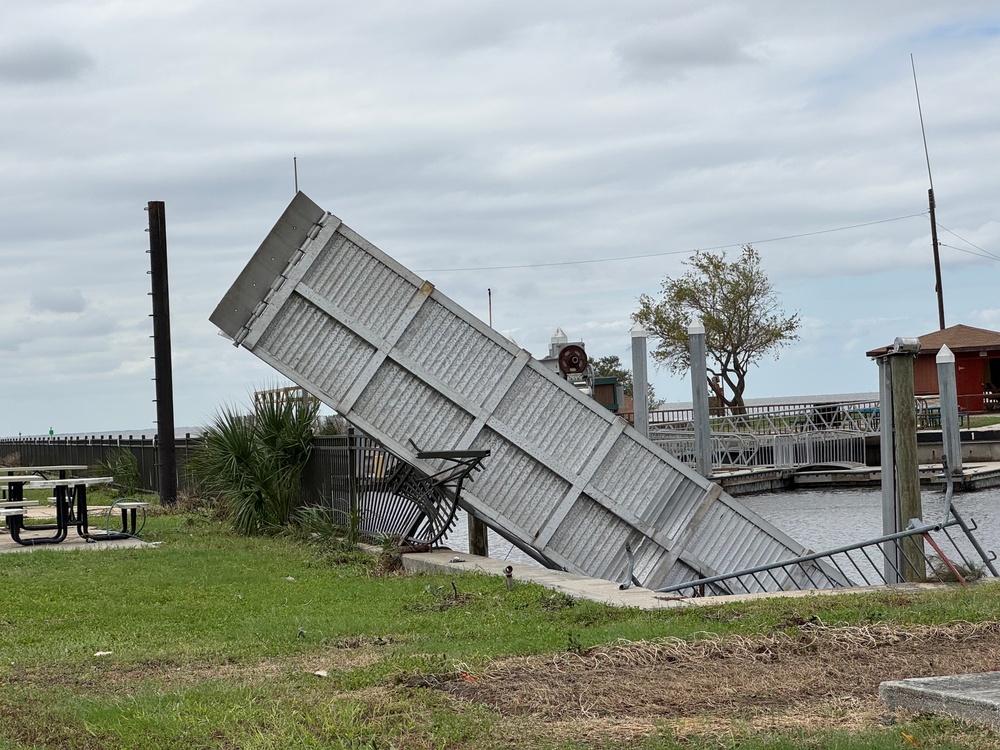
{"points": [[813, 677]]}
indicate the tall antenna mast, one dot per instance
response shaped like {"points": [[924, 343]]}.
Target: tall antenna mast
{"points": [[931, 204], [295, 169]]}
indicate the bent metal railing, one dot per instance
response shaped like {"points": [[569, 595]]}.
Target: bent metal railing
{"points": [[886, 559], [390, 499]]}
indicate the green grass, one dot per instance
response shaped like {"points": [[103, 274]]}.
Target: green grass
{"points": [[213, 639]]}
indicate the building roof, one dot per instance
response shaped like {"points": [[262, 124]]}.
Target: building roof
{"points": [[959, 338]]}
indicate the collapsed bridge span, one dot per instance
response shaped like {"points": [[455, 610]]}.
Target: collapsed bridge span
{"points": [[567, 481]]}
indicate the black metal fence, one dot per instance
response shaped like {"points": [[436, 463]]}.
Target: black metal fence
{"points": [[332, 471], [95, 450]]}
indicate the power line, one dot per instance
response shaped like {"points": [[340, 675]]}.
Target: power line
{"points": [[671, 252], [987, 253]]}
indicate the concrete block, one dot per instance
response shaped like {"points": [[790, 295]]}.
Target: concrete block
{"points": [[972, 697]]}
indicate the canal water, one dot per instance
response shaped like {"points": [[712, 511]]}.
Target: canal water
{"points": [[818, 519]]}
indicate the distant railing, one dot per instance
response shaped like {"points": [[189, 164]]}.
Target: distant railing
{"points": [[829, 447], [94, 450], [746, 450], [781, 419], [728, 450], [860, 416]]}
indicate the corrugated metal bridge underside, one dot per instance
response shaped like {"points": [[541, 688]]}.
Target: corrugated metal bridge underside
{"points": [[566, 481]]}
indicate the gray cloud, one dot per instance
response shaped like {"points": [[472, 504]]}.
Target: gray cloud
{"points": [[43, 61], [61, 301], [461, 136], [713, 37]]}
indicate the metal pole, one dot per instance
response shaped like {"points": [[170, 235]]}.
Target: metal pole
{"points": [[163, 372], [930, 201], [640, 381], [699, 398], [948, 398], [904, 414]]}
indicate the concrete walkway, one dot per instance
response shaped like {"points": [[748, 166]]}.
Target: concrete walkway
{"points": [[596, 589]]}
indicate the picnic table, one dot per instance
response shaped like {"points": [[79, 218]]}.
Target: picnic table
{"points": [[62, 469], [71, 510], [43, 472]]}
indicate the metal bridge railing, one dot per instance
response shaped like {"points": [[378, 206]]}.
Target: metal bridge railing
{"points": [[746, 450], [835, 447], [860, 416], [728, 449]]}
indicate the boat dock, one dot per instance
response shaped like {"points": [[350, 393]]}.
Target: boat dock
{"points": [[978, 475]]}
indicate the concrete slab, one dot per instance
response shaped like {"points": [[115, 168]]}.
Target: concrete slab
{"points": [[571, 584], [598, 590], [72, 541], [971, 697]]}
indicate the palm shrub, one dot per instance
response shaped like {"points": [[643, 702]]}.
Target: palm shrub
{"points": [[252, 464], [124, 467]]}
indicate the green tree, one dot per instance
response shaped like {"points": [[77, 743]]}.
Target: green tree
{"points": [[740, 310], [611, 366]]}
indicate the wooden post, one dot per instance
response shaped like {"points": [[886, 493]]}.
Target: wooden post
{"points": [[904, 415], [479, 542]]}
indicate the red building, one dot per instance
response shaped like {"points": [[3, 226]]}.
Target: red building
{"points": [[977, 365]]}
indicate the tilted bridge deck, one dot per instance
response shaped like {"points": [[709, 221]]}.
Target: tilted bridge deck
{"points": [[566, 481]]}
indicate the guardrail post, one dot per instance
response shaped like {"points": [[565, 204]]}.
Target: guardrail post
{"points": [[640, 381], [948, 403], [699, 397]]}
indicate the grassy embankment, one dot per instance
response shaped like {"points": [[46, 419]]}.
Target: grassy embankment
{"points": [[216, 640]]}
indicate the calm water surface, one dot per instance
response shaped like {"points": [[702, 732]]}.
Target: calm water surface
{"points": [[824, 519], [819, 519]]}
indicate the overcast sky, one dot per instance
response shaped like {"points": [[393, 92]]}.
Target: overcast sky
{"points": [[565, 155]]}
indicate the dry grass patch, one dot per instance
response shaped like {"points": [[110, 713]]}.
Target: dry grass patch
{"points": [[814, 677]]}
